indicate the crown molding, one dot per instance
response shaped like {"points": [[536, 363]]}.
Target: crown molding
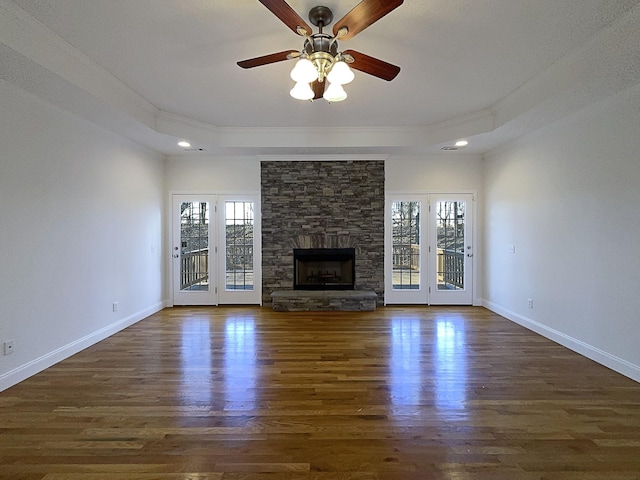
{"points": [[31, 39], [322, 158], [603, 66], [325, 137]]}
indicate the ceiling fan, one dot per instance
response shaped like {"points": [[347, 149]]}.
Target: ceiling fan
{"points": [[320, 57]]}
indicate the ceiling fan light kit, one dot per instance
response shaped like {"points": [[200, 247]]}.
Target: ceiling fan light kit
{"points": [[340, 73], [334, 93], [304, 71], [302, 91], [320, 59]]}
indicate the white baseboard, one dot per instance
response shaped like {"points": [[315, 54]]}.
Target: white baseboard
{"points": [[25, 371], [617, 364]]}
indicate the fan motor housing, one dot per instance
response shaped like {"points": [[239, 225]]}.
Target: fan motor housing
{"points": [[320, 16], [321, 42]]}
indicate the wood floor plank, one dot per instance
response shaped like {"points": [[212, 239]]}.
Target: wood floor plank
{"points": [[230, 393]]}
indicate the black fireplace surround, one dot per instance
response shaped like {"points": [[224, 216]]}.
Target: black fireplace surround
{"points": [[324, 268]]}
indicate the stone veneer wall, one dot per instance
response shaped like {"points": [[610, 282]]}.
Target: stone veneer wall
{"points": [[322, 201]]}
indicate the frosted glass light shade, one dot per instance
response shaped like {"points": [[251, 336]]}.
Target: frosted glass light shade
{"points": [[302, 91], [341, 73], [304, 71], [334, 93]]}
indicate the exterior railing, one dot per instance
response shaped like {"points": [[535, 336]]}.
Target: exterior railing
{"points": [[194, 267], [450, 264], [406, 257], [451, 267]]}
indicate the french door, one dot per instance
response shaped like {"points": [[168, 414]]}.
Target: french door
{"points": [[239, 254], [429, 249], [214, 254], [406, 250], [451, 244], [193, 242]]}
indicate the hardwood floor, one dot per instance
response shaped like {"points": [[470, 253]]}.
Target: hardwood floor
{"points": [[247, 393]]}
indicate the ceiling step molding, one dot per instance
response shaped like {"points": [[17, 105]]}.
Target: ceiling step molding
{"points": [[322, 158], [39, 61], [28, 37]]}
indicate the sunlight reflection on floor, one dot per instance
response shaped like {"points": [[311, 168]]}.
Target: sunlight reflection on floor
{"points": [[240, 363], [409, 384]]}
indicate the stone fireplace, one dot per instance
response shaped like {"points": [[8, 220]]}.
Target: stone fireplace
{"points": [[322, 205]]}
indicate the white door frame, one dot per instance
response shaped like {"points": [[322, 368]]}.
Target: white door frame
{"points": [[217, 262], [232, 296], [192, 297], [422, 296], [464, 294]]}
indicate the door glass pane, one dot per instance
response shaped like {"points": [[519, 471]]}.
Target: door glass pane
{"points": [[405, 217], [239, 222], [194, 246], [450, 217]]}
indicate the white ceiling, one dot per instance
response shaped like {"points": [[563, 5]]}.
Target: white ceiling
{"points": [[160, 70]]}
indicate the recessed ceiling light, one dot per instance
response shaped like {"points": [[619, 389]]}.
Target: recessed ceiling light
{"points": [[462, 143], [184, 144]]}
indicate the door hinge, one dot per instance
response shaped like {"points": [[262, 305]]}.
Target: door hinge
{"points": [[215, 208], [429, 248], [429, 289], [215, 249], [216, 290]]}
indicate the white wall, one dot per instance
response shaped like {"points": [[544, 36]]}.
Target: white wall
{"points": [[428, 173], [567, 197], [445, 173], [206, 174], [211, 174], [449, 172], [80, 228]]}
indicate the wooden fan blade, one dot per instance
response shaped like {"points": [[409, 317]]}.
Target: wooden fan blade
{"points": [[318, 89], [364, 14], [373, 66], [287, 15], [266, 59]]}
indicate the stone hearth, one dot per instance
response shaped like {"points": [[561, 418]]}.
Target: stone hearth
{"points": [[319, 300]]}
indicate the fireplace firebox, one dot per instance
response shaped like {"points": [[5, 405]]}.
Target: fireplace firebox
{"points": [[324, 268]]}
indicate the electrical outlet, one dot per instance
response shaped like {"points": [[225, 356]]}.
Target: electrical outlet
{"points": [[530, 303], [8, 347], [114, 306]]}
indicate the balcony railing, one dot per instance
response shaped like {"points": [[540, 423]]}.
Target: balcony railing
{"points": [[194, 268], [450, 265], [451, 268], [406, 257]]}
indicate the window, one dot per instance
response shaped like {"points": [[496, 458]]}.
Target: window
{"points": [[239, 228]]}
